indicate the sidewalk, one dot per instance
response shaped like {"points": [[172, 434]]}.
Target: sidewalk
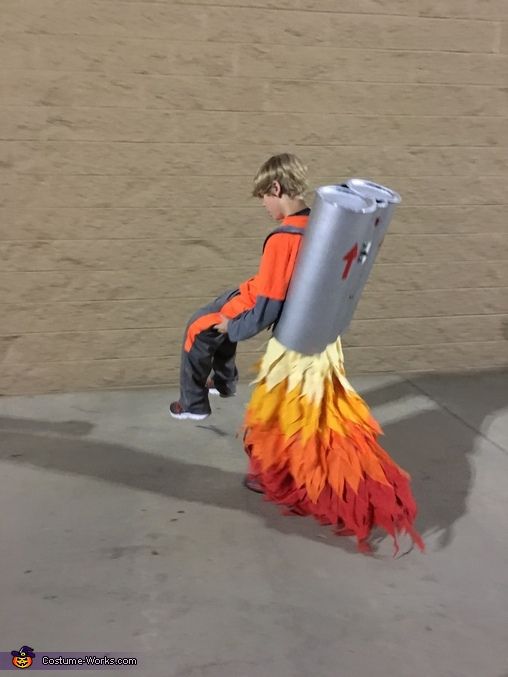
{"points": [[123, 530]]}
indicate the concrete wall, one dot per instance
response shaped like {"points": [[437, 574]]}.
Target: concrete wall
{"points": [[130, 131]]}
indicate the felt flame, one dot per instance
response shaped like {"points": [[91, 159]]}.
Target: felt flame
{"points": [[312, 443]]}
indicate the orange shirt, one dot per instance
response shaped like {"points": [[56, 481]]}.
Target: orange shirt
{"points": [[275, 270], [259, 300]]}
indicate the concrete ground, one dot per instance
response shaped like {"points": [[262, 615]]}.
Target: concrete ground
{"points": [[123, 530]]}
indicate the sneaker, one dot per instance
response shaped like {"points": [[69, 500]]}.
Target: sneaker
{"points": [[252, 483], [177, 411], [212, 390]]}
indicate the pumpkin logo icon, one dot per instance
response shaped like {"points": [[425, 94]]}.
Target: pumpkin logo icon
{"points": [[23, 658]]}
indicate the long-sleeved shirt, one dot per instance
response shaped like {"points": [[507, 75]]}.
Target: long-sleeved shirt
{"points": [[260, 299]]}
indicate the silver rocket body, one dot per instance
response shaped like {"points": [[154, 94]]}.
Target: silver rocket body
{"points": [[345, 231], [386, 201]]}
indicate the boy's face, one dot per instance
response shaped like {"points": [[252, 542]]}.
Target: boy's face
{"points": [[273, 203]]}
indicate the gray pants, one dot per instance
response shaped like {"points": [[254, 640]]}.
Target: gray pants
{"points": [[210, 351]]}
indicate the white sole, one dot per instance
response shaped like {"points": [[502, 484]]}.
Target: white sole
{"points": [[216, 393], [188, 416]]}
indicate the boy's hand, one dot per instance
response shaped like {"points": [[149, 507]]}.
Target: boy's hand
{"points": [[222, 328]]}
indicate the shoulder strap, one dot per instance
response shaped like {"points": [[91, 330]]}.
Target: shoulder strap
{"points": [[294, 230]]}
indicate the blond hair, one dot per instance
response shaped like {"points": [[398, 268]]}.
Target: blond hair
{"points": [[285, 168]]}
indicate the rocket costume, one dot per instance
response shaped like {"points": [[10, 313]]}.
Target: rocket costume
{"points": [[311, 439]]}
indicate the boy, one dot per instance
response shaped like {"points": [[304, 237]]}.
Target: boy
{"points": [[236, 315]]}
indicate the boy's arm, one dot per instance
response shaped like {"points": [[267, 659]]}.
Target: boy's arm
{"points": [[273, 279]]}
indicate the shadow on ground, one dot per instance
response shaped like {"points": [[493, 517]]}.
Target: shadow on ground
{"points": [[435, 447]]}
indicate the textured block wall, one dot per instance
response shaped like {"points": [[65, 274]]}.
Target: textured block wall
{"points": [[129, 134]]}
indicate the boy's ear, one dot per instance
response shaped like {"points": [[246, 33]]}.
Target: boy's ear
{"points": [[276, 189]]}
